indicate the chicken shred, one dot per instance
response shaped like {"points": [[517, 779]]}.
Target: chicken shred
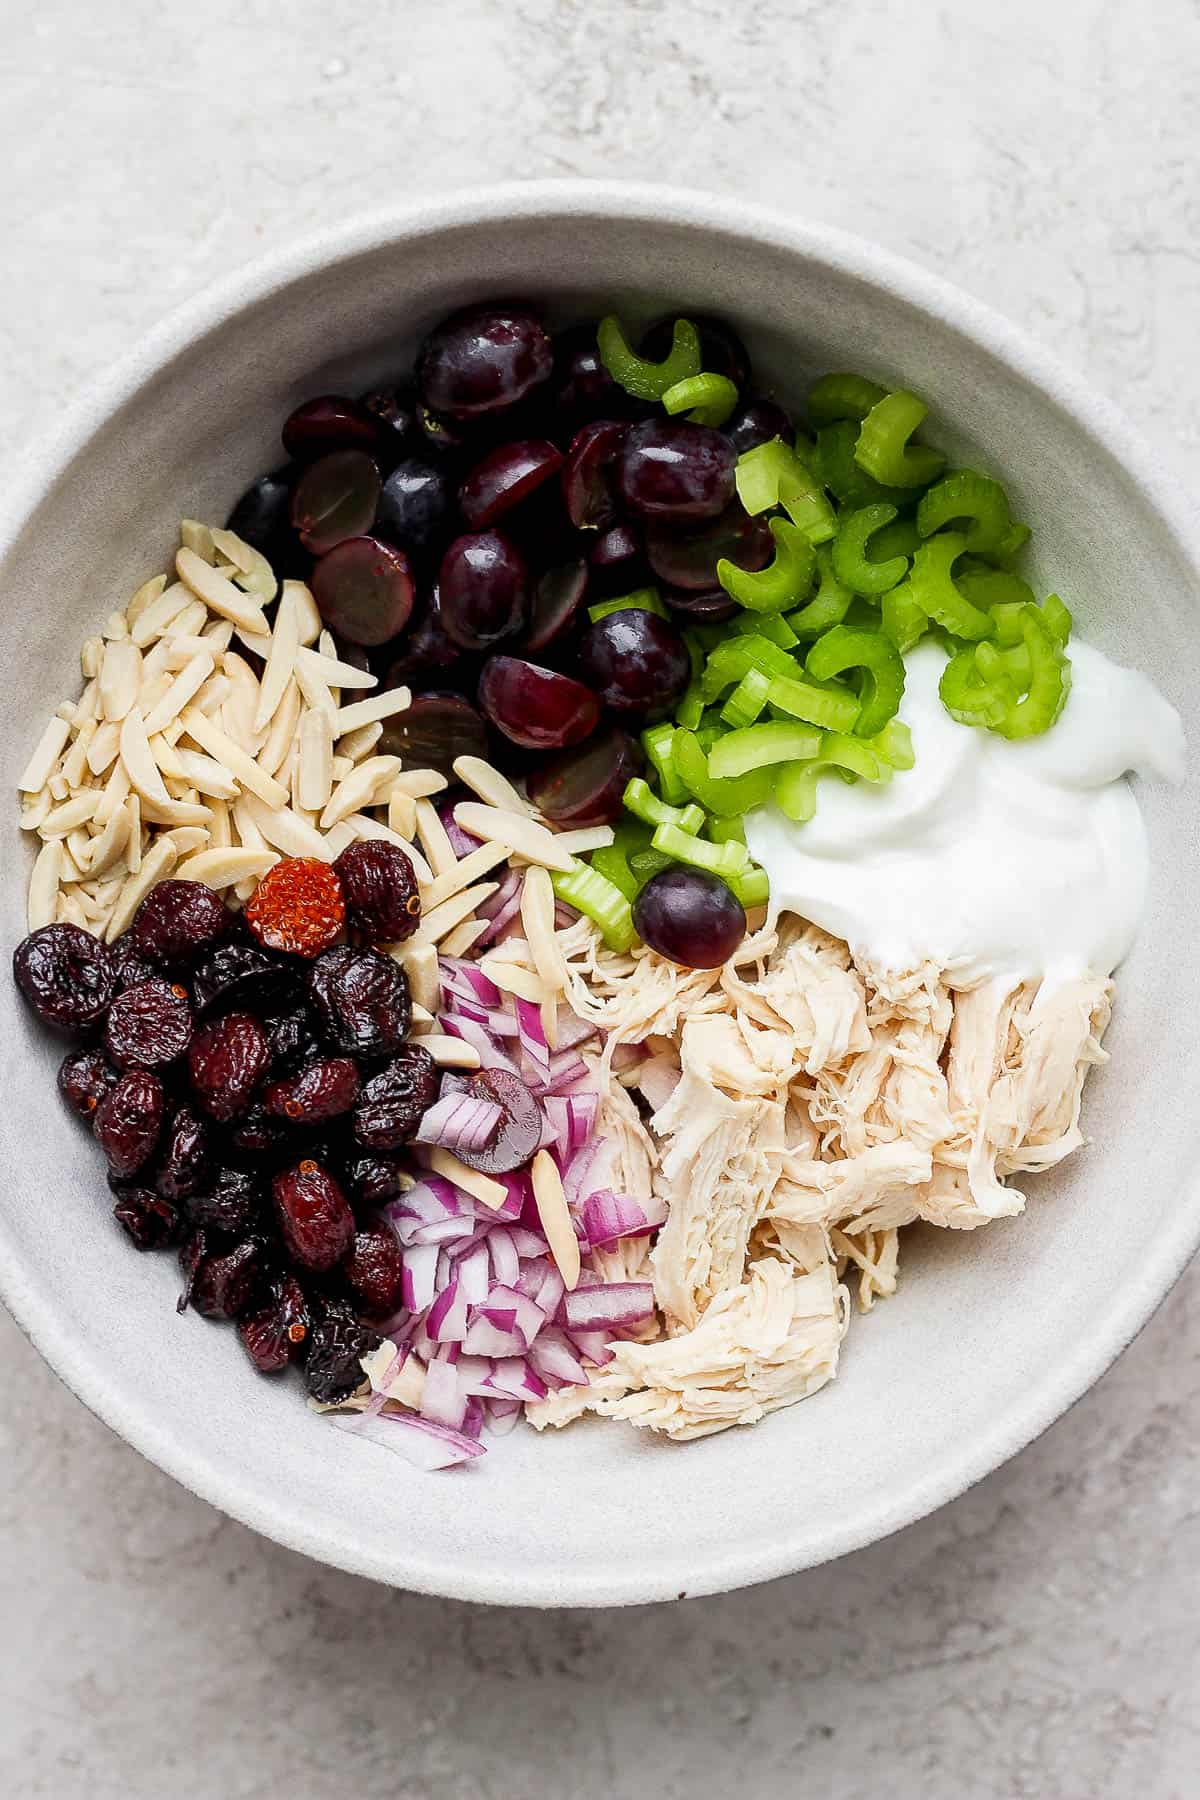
{"points": [[805, 1106]]}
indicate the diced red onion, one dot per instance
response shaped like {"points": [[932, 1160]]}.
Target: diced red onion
{"points": [[584, 1173], [419, 1441], [480, 1040], [564, 916], [461, 842], [533, 1039], [418, 1275], [513, 1376], [555, 1359], [572, 1030], [447, 1320], [472, 1425], [475, 1375], [607, 1306], [474, 1273], [566, 1068], [528, 1243], [593, 1346], [503, 1416], [510, 1310], [467, 981], [485, 1339], [441, 1399], [461, 1122], [505, 914], [627, 1056], [608, 1217], [550, 1293], [512, 884], [506, 1264]]}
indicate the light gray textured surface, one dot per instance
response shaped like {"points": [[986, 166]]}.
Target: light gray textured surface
{"points": [[1037, 1638]]}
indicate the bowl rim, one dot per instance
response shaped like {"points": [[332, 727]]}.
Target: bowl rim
{"points": [[652, 205]]}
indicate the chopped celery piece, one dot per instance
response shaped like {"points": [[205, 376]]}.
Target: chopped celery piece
{"points": [[815, 705], [1010, 546], [691, 708], [828, 606], [796, 790], [641, 600], [986, 587], [934, 591], [725, 798], [769, 625], [882, 667], [842, 396], [647, 863], [843, 476], [723, 831], [806, 452], [757, 746], [656, 742], [644, 804], [772, 474], [883, 449], [751, 886], [648, 380], [613, 864], [1058, 619], [713, 398], [591, 893], [747, 699], [783, 582], [707, 734], [1049, 682], [719, 859], [894, 745], [965, 494], [731, 659], [851, 563], [853, 754], [900, 538], [901, 620], [968, 697]]}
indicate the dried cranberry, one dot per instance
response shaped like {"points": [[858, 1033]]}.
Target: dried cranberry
{"points": [[226, 1062], [361, 999], [393, 1102], [374, 1269], [291, 1042], [297, 907], [241, 975], [314, 1215], [260, 1133], [275, 1333], [192, 1252], [233, 1201], [177, 920], [370, 1180], [130, 965], [84, 1077], [377, 879], [148, 1025], [66, 975], [332, 1368], [128, 1120], [225, 1283], [322, 1090], [151, 1222], [183, 1162]]}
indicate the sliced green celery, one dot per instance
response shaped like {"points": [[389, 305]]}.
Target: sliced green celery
{"points": [[719, 859], [593, 894], [726, 798], [851, 563], [934, 590], [759, 746], [883, 673], [648, 380], [784, 582], [883, 448], [842, 395], [707, 399], [815, 705], [645, 599], [748, 698], [644, 804], [656, 742], [964, 494]]}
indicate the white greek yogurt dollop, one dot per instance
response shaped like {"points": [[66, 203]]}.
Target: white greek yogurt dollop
{"points": [[989, 858]]}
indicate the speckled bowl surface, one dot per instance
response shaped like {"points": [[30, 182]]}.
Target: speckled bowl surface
{"points": [[992, 1335]]}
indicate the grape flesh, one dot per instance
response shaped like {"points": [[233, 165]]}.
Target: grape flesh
{"points": [[636, 663], [690, 917]]}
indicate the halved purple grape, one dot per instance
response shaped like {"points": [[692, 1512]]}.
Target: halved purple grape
{"points": [[557, 603], [535, 707], [712, 608], [335, 498], [617, 561], [484, 588], [691, 917], [434, 730], [482, 360], [520, 1130], [587, 477], [425, 649], [688, 558], [756, 421], [364, 590], [416, 504], [441, 434], [636, 663], [722, 351], [585, 786], [393, 406], [328, 422], [669, 469], [505, 477], [263, 517]]}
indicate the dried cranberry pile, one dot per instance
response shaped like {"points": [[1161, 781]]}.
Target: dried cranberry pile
{"points": [[250, 1083], [456, 526]]}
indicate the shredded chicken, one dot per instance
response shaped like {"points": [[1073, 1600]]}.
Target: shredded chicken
{"points": [[804, 1108]]}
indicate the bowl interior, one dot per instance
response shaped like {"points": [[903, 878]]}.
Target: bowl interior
{"points": [[991, 1334]]}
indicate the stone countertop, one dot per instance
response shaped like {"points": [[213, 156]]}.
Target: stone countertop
{"points": [[1037, 1638]]}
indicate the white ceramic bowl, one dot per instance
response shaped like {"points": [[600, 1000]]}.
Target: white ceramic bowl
{"points": [[992, 1335]]}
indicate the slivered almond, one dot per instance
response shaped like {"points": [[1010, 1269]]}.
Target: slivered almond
{"points": [[241, 705], [139, 762], [246, 826], [218, 633], [420, 783], [333, 672], [537, 916], [462, 939], [522, 835], [144, 597], [258, 643], [154, 619], [444, 1163], [169, 760], [114, 795], [220, 594], [207, 775], [104, 748], [193, 618], [468, 869], [116, 627], [449, 1052], [433, 839], [315, 781], [282, 734], [281, 662], [50, 747], [491, 785], [285, 830], [254, 571], [339, 766], [587, 837], [71, 910], [220, 832], [57, 784], [213, 695], [555, 1215], [42, 903], [370, 712], [88, 705], [190, 679], [306, 611], [315, 691], [156, 664], [189, 838], [526, 984], [356, 744], [244, 890], [62, 820], [343, 833], [91, 656], [35, 809], [133, 839], [177, 648], [420, 964], [402, 813], [198, 538], [176, 812], [156, 866], [218, 743], [359, 788], [441, 919], [225, 868]]}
